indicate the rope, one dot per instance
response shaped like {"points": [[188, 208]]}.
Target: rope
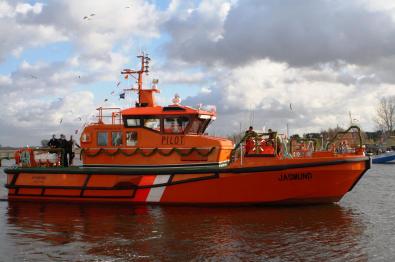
{"points": [[146, 153]]}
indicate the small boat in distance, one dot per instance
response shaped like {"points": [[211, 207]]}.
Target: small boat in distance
{"points": [[161, 154], [383, 158]]}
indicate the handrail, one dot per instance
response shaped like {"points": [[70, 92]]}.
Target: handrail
{"points": [[114, 115], [256, 137], [314, 140], [343, 133]]}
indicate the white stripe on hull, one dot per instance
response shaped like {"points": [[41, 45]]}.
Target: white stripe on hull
{"points": [[155, 194]]}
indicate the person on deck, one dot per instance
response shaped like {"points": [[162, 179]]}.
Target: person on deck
{"points": [[54, 142], [70, 149], [63, 145], [250, 140]]}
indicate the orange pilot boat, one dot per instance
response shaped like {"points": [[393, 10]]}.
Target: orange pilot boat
{"points": [[154, 154]]}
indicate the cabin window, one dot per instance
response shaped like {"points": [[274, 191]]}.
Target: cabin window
{"points": [[195, 127], [175, 124], [130, 122], [198, 125], [131, 138], [116, 138], [102, 138], [152, 123]]}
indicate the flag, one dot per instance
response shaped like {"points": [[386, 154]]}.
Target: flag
{"points": [[119, 82], [122, 96]]}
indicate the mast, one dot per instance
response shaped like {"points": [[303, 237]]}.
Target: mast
{"points": [[143, 69]]}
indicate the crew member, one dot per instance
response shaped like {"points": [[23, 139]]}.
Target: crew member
{"points": [[250, 136], [70, 149], [63, 146], [54, 142]]}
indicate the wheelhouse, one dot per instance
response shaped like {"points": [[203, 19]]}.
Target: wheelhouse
{"points": [[169, 120]]}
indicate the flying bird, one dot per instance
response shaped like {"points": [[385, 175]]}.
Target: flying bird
{"points": [[61, 120], [85, 17], [105, 100], [290, 107], [93, 14], [33, 76], [119, 82]]}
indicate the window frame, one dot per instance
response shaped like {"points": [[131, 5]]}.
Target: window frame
{"points": [[184, 131], [160, 123], [116, 131], [126, 137], [97, 137], [125, 121]]}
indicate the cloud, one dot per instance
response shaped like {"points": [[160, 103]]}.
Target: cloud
{"points": [[39, 95], [300, 33], [261, 94], [17, 36]]}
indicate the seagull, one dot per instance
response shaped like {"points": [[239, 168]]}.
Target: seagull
{"points": [[119, 82], [85, 17], [93, 14], [33, 76]]}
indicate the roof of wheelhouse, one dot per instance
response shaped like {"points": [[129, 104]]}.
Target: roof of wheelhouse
{"points": [[167, 110]]}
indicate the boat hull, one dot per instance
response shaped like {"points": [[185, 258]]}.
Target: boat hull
{"points": [[383, 158], [322, 181]]}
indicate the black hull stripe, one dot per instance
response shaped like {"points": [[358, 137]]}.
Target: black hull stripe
{"points": [[214, 164], [181, 170]]}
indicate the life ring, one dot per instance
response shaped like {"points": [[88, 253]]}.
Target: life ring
{"points": [[27, 158]]}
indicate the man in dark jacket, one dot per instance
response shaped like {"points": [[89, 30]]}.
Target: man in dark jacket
{"points": [[63, 145], [69, 149], [54, 142]]}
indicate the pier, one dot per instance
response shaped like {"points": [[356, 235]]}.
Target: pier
{"points": [[7, 154]]}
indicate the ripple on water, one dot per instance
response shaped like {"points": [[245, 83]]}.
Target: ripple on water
{"points": [[358, 228]]}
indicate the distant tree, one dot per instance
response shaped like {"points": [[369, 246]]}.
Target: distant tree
{"points": [[295, 136], [44, 142], [330, 133], [385, 118], [236, 137]]}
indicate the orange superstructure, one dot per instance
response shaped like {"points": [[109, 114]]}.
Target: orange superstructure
{"points": [[161, 154]]}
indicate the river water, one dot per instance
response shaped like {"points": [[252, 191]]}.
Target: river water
{"points": [[361, 227]]}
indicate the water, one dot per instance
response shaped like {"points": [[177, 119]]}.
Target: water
{"points": [[359, 228]]}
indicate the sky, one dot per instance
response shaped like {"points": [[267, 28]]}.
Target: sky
{"points": [[308, 64]]}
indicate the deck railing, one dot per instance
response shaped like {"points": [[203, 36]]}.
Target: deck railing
{"points": [[107, 114]]}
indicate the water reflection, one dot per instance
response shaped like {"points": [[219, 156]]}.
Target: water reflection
{"points": [[88, 232]]}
